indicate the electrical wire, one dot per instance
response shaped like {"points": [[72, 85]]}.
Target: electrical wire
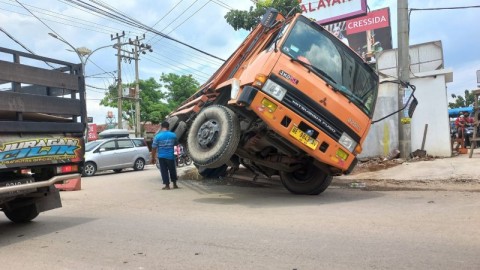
{"points": [[140, 25]]}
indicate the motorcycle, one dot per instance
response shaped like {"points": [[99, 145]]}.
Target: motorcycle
{"points": [[183, 159]]}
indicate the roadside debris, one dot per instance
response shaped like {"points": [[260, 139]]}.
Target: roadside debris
{"points": [[358, 185]]}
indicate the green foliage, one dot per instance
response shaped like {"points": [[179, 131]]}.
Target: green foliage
{"points": [[242, 19], [155, 104], [178, 88], [467, 100]]}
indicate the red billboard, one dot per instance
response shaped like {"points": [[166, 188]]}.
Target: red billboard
{"points": [[92, 132], [366, 35], [374, 20]]}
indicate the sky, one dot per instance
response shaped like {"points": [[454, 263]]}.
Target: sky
{"points": [[201, 24]]}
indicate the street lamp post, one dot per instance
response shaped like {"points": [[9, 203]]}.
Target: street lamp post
{"points": [[83, 54]]}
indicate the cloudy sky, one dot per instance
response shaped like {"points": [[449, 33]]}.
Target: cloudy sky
{"points": [[201, 24]]}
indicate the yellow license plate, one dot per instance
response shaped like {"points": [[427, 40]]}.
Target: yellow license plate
{"points": [[303, 138]]}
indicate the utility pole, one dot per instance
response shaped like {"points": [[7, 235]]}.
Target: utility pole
{"points": [[403, 71], [119, 79], [138, 48]]}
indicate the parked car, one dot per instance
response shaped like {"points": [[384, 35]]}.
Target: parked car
{"points": [[115, 154]]}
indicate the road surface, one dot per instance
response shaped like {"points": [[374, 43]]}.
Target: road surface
{"points": [[125, 221]]}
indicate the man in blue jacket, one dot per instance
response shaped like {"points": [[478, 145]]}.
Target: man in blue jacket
{"points": [[164, 141]]}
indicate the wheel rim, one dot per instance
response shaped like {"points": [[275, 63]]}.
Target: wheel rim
{"points": [[139, 164], [207, 134], [89, 169], [302, 176]]}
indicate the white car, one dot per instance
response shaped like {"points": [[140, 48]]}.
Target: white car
{"points": [[115, 154]]}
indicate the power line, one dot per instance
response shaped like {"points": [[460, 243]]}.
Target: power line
{"points": [[210, 60], [444, 8], [136, 23]]}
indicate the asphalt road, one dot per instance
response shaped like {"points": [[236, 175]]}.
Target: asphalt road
{"points": [[125, 221]]}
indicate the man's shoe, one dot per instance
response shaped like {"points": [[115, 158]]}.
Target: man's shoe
{"points": [[175, 185], [166, 187]]}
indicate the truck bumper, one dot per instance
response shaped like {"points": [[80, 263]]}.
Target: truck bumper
{"points": [[35, 185]]}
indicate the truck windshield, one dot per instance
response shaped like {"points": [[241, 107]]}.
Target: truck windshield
{"points": [[334, 62]]}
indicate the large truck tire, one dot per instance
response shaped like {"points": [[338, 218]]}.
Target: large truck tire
{"points": [[213, 136], [309, 180], [172, 122], [180, 129], [22, 214]]}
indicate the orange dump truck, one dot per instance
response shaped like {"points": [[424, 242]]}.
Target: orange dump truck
{"points": [[42, 128], [292, 101]]}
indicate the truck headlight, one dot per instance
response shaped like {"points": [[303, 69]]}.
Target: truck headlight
{"points": [[347, 142], [274, 90]]}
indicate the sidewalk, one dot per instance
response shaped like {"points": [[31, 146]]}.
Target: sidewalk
{"points": [[458, 173], [455, 173]]}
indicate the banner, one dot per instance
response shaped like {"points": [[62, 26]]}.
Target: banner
{"points": [[366, 35], [328, 11], [92, 132]]}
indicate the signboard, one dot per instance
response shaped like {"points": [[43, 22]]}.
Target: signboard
{"points": [[373, 20], [329, 11], [366, 35], [89, 119], [92, 132]]}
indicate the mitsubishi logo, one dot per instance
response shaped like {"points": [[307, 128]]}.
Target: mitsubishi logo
{"points": [[324, 101]]}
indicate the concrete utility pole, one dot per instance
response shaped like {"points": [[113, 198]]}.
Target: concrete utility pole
{"points": [[119, 79], [138, 48], [403, 75]]}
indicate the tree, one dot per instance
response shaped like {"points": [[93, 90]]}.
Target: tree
{"points": [[151, 106], [242, 19], [179, 88], [467, 100], [155, 104]]}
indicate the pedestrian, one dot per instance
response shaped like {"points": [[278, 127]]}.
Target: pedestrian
{"points": [[164, 142], [468, 123], [460, 125]]}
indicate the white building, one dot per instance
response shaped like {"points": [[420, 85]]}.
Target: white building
{"points": [[428, 75]]}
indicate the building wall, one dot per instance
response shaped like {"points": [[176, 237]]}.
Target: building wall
{"points": [[429, 78], [432, 110]]}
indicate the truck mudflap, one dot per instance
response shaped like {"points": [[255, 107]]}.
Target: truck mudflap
{"points": [[21, 186]]}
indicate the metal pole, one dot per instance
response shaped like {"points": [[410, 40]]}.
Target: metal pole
{"points": [[403, 75]]}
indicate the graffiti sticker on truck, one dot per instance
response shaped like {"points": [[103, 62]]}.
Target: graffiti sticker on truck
{"points": [[40, 150]]}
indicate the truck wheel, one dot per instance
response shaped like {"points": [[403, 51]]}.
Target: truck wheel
{"points": [[22, 214], [180, 129], [309, 180], [89, 169], [213, 137], [213, 172], [139, 164], [172, 122]]}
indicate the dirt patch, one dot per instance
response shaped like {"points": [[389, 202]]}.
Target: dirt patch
{"points": [[382, 163]]}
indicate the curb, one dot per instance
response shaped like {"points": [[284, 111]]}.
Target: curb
{"points": [[468, 185]]}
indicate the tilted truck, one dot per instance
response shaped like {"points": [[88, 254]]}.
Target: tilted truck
{"points": [[42, 128], [292, 100]]}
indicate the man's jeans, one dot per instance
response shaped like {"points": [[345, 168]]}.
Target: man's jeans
{"points": [[168, 166]]}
